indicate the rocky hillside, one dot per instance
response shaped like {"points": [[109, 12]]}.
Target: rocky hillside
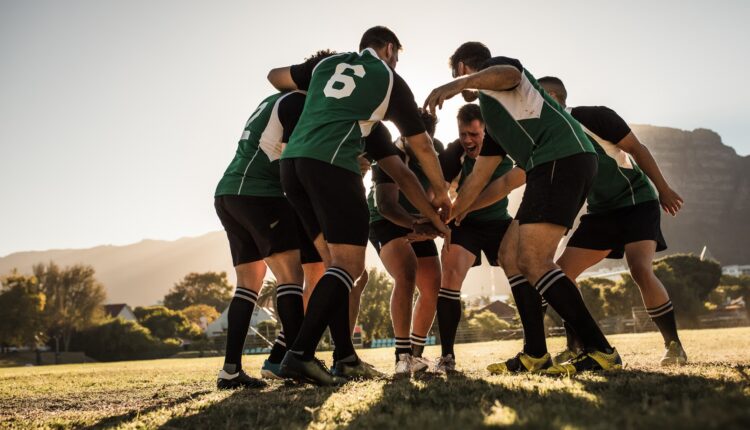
{"points": [[715, 183]]}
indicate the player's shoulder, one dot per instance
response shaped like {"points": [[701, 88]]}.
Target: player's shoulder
{"points": [[503, 61], [593, 111]]}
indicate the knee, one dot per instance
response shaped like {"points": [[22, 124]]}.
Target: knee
{"points": [[642, 273]]}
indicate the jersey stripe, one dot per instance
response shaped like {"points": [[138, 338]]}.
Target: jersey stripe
{"points": [[342, 142]]}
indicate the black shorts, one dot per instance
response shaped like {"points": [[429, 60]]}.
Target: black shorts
{"points": [[384, 231], [615, 229], [556, 191], [477, 237], [258, 227], [328, 199]]}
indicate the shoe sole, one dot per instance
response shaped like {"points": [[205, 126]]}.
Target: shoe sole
{"points": [[267, 374]]}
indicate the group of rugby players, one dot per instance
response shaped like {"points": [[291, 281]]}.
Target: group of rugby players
{"points": [[293, 200]]}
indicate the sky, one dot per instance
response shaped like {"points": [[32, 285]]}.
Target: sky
{"points": [[117, 118]]}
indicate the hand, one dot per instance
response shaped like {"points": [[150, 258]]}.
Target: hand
{"points": [[670, 201], [364, 164], [443, 93], [422, 229], [460, 217], [443, 204], [470, 95]]}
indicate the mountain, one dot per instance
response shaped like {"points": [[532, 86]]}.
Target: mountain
{"points": [[714, 182], [710, 176], [142, 273]]}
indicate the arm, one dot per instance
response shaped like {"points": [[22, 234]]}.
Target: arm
{"points": [[494, 78], [497, 190], [386, 198], [409, 185], [421, 145], [281, 79], [670, 201], [475, 182]]}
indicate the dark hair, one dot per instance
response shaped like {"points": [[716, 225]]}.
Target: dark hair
{"points": [[429, 120], [557, 84], [315, 58], [378, 37], [472, 54], [470, 112]]}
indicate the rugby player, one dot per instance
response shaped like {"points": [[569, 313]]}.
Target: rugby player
{"points": [[395, 227], [479, 231], [623, 216], [347, 94], [262, 227], [523, 122]]}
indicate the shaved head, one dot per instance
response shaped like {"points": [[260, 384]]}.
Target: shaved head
{"points": [[554, 87]]}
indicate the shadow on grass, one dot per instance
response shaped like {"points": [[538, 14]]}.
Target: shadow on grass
{"points": [[626, 399], [283, 405]]}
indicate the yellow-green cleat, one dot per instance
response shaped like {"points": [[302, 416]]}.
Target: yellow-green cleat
{"points": [[588, 361], [522, 362], [674, 355], [564, 356]]}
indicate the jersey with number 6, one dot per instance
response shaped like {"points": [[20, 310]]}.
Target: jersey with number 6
{"points": [[347, 94]]}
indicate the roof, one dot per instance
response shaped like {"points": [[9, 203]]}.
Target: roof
{"points": [[114, 309], [501, 309]]}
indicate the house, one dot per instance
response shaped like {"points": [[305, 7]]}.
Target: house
{"points": [[219, 326], [120, 310], [503, 310]]}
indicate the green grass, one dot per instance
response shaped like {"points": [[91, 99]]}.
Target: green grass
{"points": [[712, 392]]}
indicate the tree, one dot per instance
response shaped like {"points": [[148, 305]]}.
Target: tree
{"points": [[374, 312], [201, 315], [117, 339], [268, 294], [730, 288], [74, 300], [209, 288], [488, 323], [165, 323], [592, 292], [688, 280], [22, 320]]}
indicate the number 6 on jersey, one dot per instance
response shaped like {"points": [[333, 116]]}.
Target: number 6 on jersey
{"points": [[346, 81]]}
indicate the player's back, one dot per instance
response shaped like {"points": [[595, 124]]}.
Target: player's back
{"points": [[347, 95]]}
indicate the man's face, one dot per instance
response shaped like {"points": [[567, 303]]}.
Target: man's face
{"points": [[471, 136], [461, 69], [392, 56]]}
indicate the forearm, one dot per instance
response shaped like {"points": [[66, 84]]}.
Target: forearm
{"points": [[428, 160], [408, 184], [647, 163], [494, 78], [281, 79], [396, 214]]}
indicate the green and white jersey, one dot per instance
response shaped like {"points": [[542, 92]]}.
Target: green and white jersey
{"points": [[619, 181], [528, 124], [254, 171], [380, 177], [455, 162], [346, 95]]}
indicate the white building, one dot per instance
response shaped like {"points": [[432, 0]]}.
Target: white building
{"points": [[219, 326], [120, 310], [736, 270]]}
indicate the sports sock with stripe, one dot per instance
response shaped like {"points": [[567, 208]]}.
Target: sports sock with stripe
{"points": [[417, 344], [340, 332], [330, 295], [238, 322], [530, 310], [291, 311], [572, 341], [663, 317], [403, 346], [563, 295], [448, 316]]}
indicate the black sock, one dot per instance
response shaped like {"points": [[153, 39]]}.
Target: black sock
{"points": [[572, 340], [417, 344], [448, 315], [564, 297], [330, 294], [238, 322], [403, 346], [545, 305], [291, 311], [663, 317], [278, 350], [529, 305], [340, 334]]}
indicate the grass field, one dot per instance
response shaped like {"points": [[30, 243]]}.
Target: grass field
{"points": [[713, 392]]}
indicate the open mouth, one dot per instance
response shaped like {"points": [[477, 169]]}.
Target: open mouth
{"points": [[471, 149]]}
